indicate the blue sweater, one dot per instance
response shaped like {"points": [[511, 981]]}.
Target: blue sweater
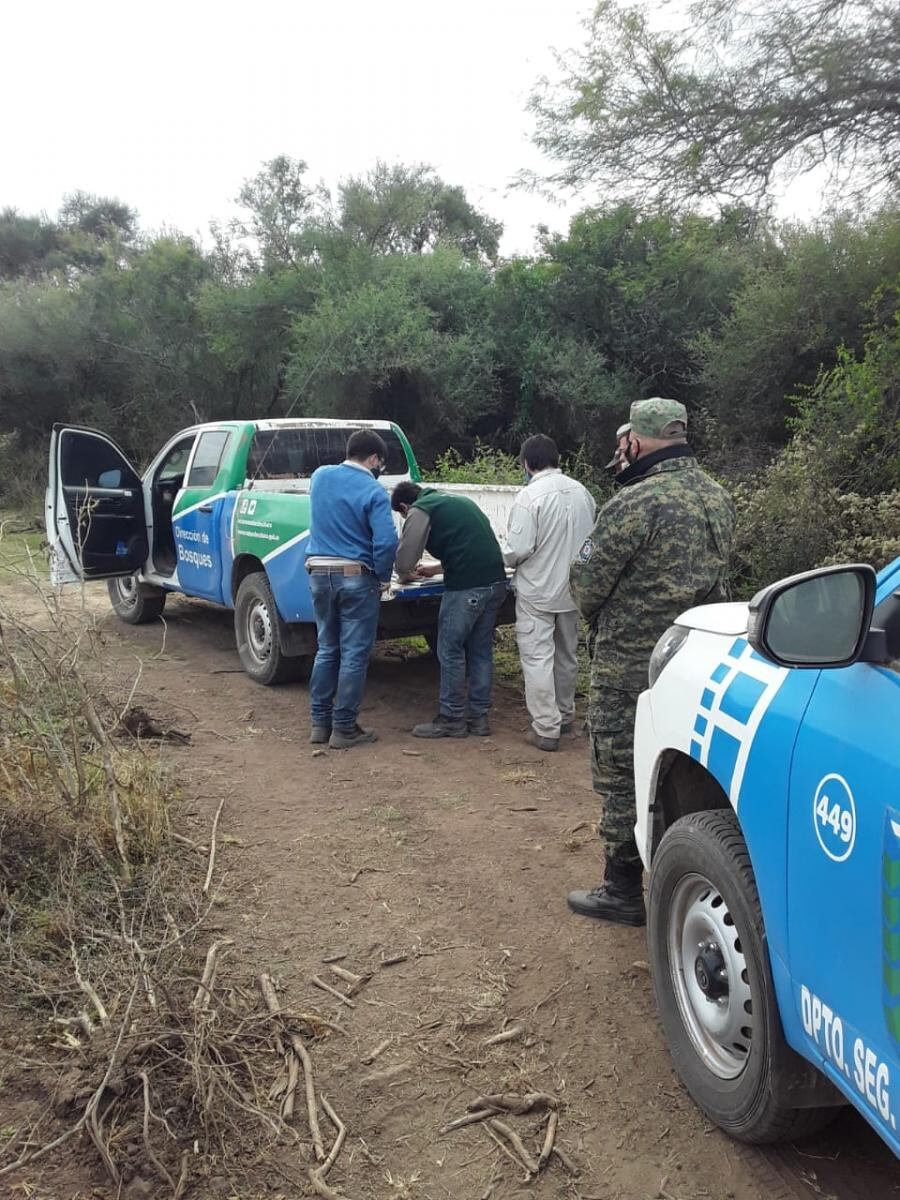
{"points": [[350, 517]]}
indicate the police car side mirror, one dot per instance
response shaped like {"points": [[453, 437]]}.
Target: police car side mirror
{"points": [[819, 619]]}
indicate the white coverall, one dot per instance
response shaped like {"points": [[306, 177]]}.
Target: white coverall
{"points": [[549, 521]]}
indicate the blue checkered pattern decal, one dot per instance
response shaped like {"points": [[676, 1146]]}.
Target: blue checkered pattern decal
{"points": [[733, 703]]}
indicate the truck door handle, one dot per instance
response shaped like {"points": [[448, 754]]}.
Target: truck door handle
{"points": [[207, 508]]}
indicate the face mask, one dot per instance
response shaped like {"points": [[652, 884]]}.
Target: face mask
{"points": [[528, 476], [377, 470]]}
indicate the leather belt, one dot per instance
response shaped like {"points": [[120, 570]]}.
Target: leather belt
{"points": [[347, 569]]}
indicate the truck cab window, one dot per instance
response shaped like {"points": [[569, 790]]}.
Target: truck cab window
{"points": [[296, 453], [207, 457], [83, 461], [173, 465]]}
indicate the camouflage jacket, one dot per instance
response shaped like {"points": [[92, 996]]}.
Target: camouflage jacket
{"points": [[660, 546]]}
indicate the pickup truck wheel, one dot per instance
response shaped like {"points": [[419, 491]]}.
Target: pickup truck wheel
{"points": [[135, 603], [713, 983], [257, 634]]}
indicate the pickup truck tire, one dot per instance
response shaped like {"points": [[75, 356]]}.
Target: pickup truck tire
{"points": [[258, 636], [713, 983], [135, 603]]}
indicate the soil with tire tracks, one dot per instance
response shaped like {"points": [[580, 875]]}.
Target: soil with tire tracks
{"points": [[456, 855]]}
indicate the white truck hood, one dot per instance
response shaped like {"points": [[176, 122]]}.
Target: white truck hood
{"points": [[727, 619]]}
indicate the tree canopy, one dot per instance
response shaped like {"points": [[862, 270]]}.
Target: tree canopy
{"points": [[386, 295], [396, 209], [386, 299], [726, 99]]}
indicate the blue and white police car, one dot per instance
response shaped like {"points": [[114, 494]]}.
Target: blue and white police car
{"points": [[767, 768]]}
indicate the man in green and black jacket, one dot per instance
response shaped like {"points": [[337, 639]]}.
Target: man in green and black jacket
{"points": [[456, 532]]}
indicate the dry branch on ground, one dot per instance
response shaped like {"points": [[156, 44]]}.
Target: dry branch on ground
{"points": [[102, 945]]}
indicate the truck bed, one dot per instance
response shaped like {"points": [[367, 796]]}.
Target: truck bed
{"points": [[494, 499]]}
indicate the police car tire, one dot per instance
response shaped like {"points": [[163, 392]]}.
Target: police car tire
{"points": [[144, 604], [747, 1107], [278, 666]]}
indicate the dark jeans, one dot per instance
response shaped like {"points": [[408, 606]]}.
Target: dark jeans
{"points": [[466, 640], [346, 608]]}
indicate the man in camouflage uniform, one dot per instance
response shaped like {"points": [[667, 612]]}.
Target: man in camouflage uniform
{"points": [[659, 547]]}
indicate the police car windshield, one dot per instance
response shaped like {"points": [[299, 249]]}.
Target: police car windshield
{"points": [[296, 453]]}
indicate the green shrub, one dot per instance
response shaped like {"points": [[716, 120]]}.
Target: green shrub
{"points": [[584, 468], [489, 465], [486, 466], [851, 416], [833, 494], [790, 519]]}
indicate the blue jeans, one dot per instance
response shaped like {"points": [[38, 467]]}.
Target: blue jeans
{"points": [[466, 640], [346, 608]]}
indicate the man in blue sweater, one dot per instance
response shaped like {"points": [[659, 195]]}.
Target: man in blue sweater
{"points": [[350, 553]]}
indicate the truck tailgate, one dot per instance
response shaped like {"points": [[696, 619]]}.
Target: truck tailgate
{"points": [[494, 499]]}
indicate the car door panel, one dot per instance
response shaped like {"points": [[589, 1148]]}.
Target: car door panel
{"points": [[844, 886], [201, 517], [95, 514]]}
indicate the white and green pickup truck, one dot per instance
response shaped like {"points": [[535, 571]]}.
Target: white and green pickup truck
{"points": [[222, 513]]}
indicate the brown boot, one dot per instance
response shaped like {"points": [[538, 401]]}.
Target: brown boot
{"points": [[346, 739], [542, 743]]}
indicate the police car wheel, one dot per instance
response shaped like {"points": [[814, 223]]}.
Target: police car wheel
{"points": [[257, 634], [135, 603], [713, 984]]}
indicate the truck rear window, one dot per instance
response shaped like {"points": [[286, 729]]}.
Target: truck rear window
{"points": [[296, 453]]}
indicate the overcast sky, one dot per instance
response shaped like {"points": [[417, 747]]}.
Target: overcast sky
{"points": [[170, 106]]}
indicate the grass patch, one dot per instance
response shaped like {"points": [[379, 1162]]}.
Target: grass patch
{"points": [[63, 773], [518, 775], [22, 546], [404, 648]]}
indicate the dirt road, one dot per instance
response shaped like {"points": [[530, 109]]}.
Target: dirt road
{"points": [[457, 855]]}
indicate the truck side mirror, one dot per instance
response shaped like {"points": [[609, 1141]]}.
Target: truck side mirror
{"points": [[815, 620]]}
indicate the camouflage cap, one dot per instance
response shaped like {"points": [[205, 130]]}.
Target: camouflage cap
{"points": [[658, 418]]}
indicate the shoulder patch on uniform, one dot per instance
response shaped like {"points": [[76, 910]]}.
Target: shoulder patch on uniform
{"points": [[587, 549]]}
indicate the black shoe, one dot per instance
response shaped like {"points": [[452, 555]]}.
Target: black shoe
{"points": [[346, 739], [606, 903], [479, 726], [319, 735], [567, 728], [442, 727]]}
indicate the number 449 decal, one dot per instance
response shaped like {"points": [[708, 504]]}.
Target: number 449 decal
{"points": [[834, 817]]}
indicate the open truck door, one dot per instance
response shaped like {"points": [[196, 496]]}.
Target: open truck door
{"points": [[95, 515]]}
